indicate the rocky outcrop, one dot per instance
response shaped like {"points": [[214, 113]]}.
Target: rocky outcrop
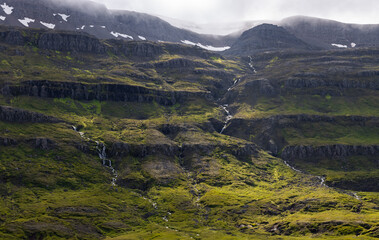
{"points": [[13, 37], [179, 63], [10, 114], [101, 92], [342, 84], [137, 49], [262, 87], [70, 42], [266, 131], [328, 151], [43, 143], [121, 149], [370, 184], [4, 141]]}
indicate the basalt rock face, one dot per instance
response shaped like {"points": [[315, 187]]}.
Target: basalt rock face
{"points": [[10, 114], [311, 85], [101, 92], [43, 143], [4, 141], [336, 151], [121, 149], [57, 41], [370, 184], [70, 42], [179, 63], [13, 37], [265, 131], [343, 84]]}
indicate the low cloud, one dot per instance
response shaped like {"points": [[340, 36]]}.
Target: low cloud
{"points": [[221, 11]]}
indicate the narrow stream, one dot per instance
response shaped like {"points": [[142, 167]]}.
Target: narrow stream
{"points": [[101, 150], [228, 117], [251, 64]]}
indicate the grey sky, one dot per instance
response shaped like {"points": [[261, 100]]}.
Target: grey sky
{"points": [[218, 11]]}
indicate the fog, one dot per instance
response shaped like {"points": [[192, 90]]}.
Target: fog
{"points": [[226, 11]]}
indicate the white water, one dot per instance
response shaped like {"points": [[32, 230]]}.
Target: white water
{"points": [[101, 150], [228, 117], [322, 179], [251, 64]]}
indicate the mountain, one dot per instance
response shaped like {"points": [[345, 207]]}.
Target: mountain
{"points": [[115, 139], [265, 37], [97, 20], [328, 34]]}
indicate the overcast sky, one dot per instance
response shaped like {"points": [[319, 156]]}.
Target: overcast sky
{"points": [[217, 11]]}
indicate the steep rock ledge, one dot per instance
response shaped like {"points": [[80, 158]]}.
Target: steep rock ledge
{"points": [[328, 151], [121, 149], [101, 92], [10, 114], [264, 131]]}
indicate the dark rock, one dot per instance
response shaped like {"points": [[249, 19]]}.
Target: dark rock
{"points": [[44, 143], [262, 86], [13, 37], [328, 151], [11, 114], [7, 141], [70, 42], [179, 63], [101, 92]]}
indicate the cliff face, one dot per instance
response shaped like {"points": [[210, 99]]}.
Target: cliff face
{"points": [[336, 151], [57, 41], [10, 114], [101, 92], [266, 131], [121, 149], [70, 42]]}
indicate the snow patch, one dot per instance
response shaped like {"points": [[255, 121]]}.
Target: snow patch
{"points": [[83, 27], [142, 38], [353, 45], [91, 26], [48, 25], [63, 16], [54, 14], [339, 45], [102, 26], [116, 34], [26, 21], [207, 47], [7, 9], [2, 18]]}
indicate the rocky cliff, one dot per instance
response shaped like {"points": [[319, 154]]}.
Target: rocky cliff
{"points": [[11, 114], [336, 151], [101, 92]]}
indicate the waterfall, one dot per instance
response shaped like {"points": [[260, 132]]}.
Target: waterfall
{"points": [[251, 64], [101, 150], [228, 117]]}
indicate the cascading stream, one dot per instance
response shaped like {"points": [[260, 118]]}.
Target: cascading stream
{"points": [[101, 150], [251, 64], [322, 179]]}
